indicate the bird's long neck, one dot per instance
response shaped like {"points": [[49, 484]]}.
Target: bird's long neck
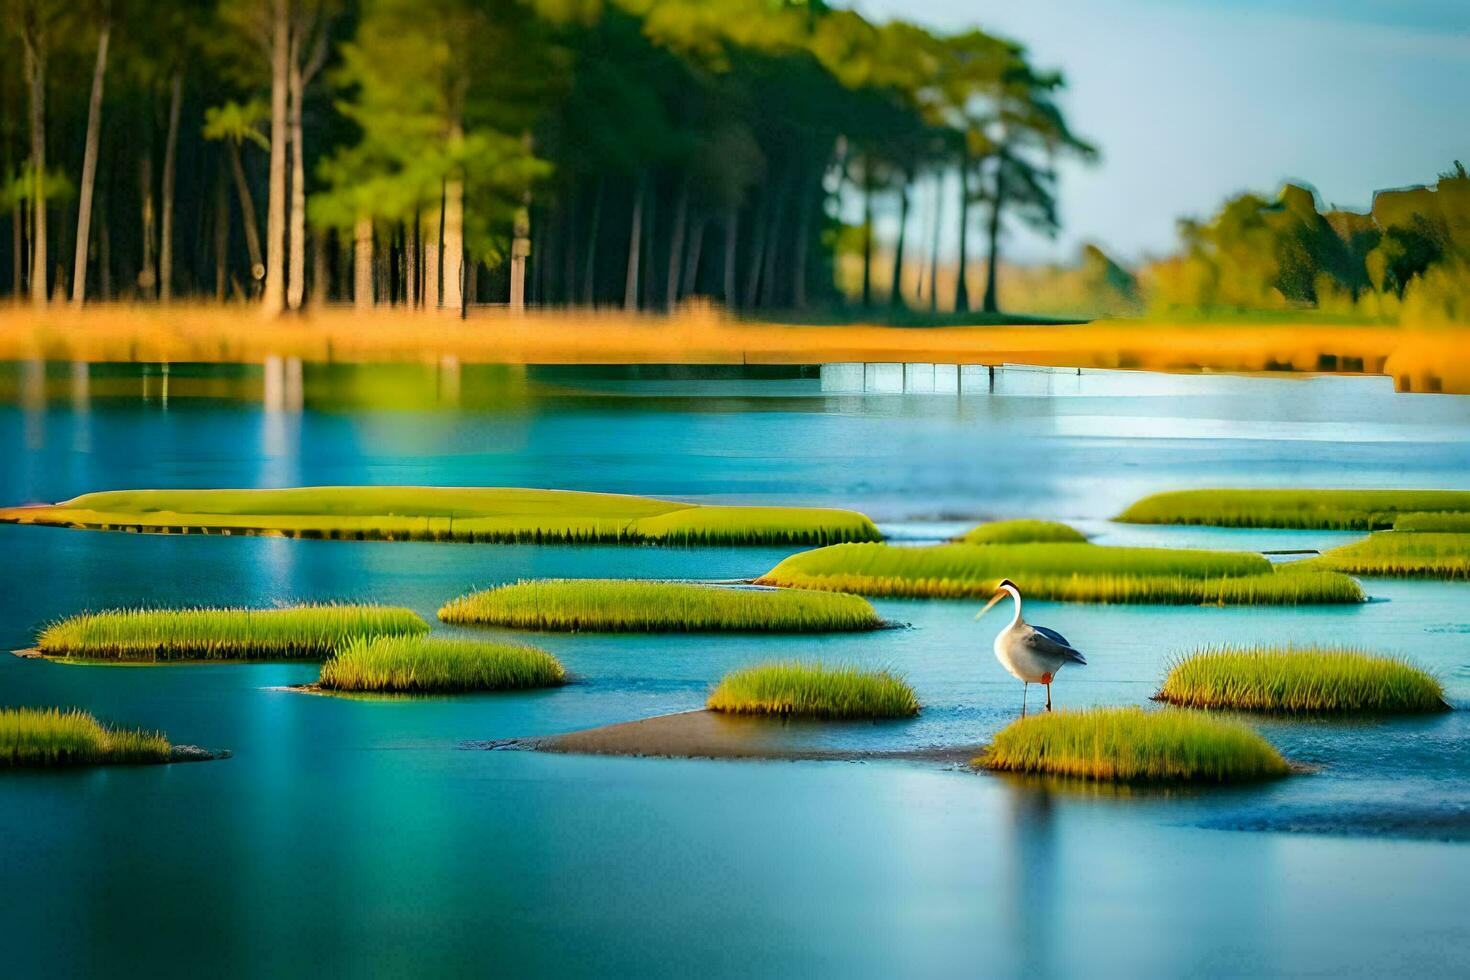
{"points": [[1017, 596]]}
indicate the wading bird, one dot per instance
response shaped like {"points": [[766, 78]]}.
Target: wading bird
{"points": [[1032, 653]]}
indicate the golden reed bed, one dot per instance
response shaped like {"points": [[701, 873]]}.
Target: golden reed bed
{"points": [[1429, 359]]}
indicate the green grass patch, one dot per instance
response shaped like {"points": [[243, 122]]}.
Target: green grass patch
{"points": [[52, 737], [1063, 572], [797, 689], [1447, 522], [447, 514], [1130, 745], [614, 606], [429, 665], [155, 635], [1300, 680], [1402, 554], [1335, 510], [1022, 532]]}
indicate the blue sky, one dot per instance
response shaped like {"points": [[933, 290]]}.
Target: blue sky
{"points": [[1193, 100]]}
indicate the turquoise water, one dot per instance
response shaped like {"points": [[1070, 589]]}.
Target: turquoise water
{"points": [[350, 836]]}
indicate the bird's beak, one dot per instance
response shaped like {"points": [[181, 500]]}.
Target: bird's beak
{"points": [[991, 604]]}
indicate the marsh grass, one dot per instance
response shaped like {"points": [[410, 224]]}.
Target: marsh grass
{"points": [[485, 514], [1063, 572], [1335, 510], [1307, 680], [52, 737], [1445, 523], [1022, 532], [299, 633], [800, 689], [1402, 554], [430, 665], [615, 606], [1131, 745]]}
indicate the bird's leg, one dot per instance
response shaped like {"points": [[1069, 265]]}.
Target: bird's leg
{"points": [[1048, 697], [1024, 688]]}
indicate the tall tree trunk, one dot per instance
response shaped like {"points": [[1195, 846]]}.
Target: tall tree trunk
{"points": [[992, 300], [221, 235], [362, 264], [431, 254], [867, 231], [89, 166], [170, 160], [732, 243], [274, 300], [934, 243], [411, 262], [635, 246], [803, 243], [895, 294], [962, 289], [454, 244], [589, 288], [691, 262], [676, 244], [296, 235], [35, 57], [520, 253], [148, 269], [247, 214]]}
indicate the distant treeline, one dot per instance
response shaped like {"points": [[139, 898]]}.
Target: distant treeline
{"points": [[432, 153]]}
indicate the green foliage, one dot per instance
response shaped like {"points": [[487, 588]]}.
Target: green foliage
{"points": [[430, 665], [630, 606], [799, 689], [161, 635], [52, 737], [1404, 554], [238, 122], [1335, 510], [1130, 745], [1022, 532], [1300, 680]]}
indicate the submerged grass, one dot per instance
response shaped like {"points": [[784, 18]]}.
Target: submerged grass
{"points": [[1063, 572], [1336, 510], [799, 689], [1133, 746], [299, 633], [1402, 554], [1022, 532], [1300, 680], [52, 737], [426, 665], [447, 514], [610, 605]]}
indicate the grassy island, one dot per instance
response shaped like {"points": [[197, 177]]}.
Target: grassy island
{"points": [[154, 635], [494, 514], [426, 665], [796, 689], [1022, 532], [1300, 680], [1402, 554], [1130, 745], [1061, 571], [615, 606], [37, 737], [1331, 510]]}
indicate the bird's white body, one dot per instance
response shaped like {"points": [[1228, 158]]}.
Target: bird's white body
{"points": [[1032, 654]]}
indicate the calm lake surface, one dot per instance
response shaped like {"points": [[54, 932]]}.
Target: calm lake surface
{"points": [[365, 837]]}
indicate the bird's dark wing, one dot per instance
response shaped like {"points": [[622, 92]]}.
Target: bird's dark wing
{"points": [[1050, 641]]}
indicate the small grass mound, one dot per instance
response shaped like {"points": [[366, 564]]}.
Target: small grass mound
{"points": [[151, 635], [1130, 745], [797, 689], [1063, 572], [614, 606], [1300, 680], [1022, 532], [425, 665], [52, 737], [1402, 554], [504, 514], [1333, 510]]}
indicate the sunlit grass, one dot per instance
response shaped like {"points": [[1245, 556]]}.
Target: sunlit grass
{"points": [[1402, 554], [429, 665], [1337, 510], [1443, 522], [1062, 572], [1300, 679], [1133, 746], [298, 633], [799, 689], [487, 514], [609, 605], [1022, 532], [52, 737]]}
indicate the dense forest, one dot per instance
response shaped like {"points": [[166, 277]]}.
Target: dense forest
{"points": [[434, 153]]}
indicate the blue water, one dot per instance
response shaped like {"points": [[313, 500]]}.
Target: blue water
{"points": [[349, 836]]}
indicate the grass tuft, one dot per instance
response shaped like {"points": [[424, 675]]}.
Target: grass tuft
{"points": [[1334, 510], [1022, 532], [1130, 745], [1063, 572], [1402, 554], [52, 737], [610, 605], [797, 689], [425, 665], [1300, 680], [299, 633]]}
